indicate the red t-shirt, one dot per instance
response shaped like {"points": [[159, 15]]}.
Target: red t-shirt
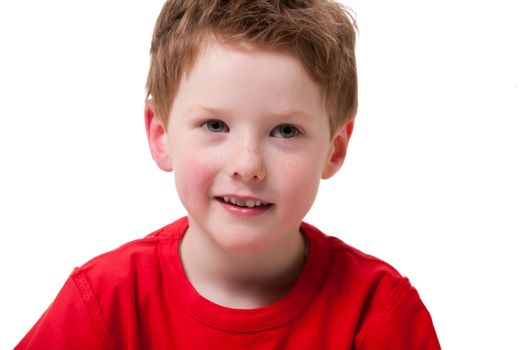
{"points": [[138, 297]]}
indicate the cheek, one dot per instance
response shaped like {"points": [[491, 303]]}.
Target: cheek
{"points": [[300, 184], [194, 174]]}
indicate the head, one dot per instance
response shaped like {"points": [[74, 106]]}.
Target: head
{"points": [[244, 110]]}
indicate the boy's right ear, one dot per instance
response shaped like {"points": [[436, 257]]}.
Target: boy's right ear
{"points": [[157, 137]]}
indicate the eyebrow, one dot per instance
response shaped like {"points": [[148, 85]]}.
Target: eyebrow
{"points": [[292, 113], [211, 110]]}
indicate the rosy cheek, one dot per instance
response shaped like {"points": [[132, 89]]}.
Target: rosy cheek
{"points": [[299, 185], [194, 175]]}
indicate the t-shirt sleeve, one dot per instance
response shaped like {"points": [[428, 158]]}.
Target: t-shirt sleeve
{"points": [[408, 326], [73, 321]]}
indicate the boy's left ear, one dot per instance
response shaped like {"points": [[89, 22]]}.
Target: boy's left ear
{"points": [[339, 145]]}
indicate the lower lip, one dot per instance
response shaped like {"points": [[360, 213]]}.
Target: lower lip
{"points": [[244, 211]]}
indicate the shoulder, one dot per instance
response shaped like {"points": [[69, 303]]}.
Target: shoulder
{"points": [[352, 262], [362, 278], [386, 308], [131, 261], [97, 304], [362, 267]]}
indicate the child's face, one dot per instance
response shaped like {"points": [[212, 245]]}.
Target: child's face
{"points": [[247, 126]]}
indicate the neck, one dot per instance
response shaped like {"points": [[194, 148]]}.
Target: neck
{"points": [[242, 280]]}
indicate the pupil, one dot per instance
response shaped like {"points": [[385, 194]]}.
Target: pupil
{"points": [[287, 130]]}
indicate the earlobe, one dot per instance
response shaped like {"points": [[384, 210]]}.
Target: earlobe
{"points": [[338, 150], [157, 137]]}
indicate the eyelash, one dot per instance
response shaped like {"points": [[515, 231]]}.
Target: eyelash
{"points": [[218, 126]]}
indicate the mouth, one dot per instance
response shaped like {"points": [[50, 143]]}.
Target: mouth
{"points": [[244, 205]]}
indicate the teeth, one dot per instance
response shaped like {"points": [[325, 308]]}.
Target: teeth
{"points": [[234, 201], [243, 203]]}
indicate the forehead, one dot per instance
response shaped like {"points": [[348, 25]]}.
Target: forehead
{"points": [[242, 75]]}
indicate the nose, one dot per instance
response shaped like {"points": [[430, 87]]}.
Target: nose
{"points": [[247, 162]]}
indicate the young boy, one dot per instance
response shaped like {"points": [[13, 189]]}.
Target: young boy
{"points": [[251, 104]]}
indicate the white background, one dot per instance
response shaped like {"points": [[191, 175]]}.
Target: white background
{"points": [[433, 183]]}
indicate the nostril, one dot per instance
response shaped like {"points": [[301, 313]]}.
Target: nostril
{"points": [[248, 177], [247, 167]]}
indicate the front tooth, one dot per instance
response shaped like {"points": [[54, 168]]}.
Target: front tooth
{"points": [[237, 202], [257, 203], [250, 204]]}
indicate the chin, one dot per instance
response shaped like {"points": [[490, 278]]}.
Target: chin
{"points": [[242, 243]]}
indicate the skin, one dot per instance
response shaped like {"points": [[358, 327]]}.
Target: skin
{"points": [[247, 123]]}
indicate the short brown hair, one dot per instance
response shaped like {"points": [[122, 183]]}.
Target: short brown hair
{"points": [[320, 32]]}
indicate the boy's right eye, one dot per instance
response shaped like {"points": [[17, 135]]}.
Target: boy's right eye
{"points": [[215, 125]]}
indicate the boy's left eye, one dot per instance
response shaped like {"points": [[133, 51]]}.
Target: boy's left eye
{"points": [[285, 131]]}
